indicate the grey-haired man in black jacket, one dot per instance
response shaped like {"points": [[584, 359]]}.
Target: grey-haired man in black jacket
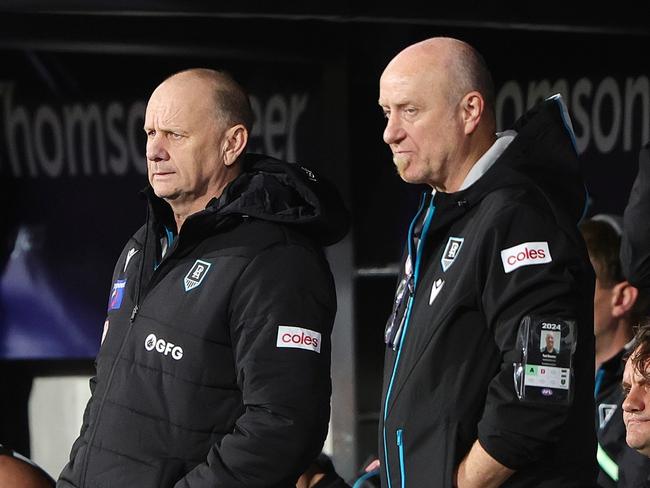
{"points": [[214, 369], [493, 264]]}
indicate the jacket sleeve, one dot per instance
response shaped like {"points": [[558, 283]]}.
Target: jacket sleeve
{"points": [[635, 243], [517, 432], [282, 312], [84, 425]]}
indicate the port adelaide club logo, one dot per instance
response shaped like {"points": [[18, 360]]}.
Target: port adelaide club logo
{"points": [[451, 252], [196, 275]]}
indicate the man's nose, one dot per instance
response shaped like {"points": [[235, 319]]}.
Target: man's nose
{"points": [[634, 401], [156, 150], [394, 132]]}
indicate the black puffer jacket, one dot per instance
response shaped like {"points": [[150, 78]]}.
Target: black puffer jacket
{"points": [[215, 369]]}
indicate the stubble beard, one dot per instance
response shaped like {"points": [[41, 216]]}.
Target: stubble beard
{"points": [[637, 434], [400, 163]]}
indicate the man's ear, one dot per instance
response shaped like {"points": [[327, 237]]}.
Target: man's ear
{"points": [[624, 297], [234, 143], [472, 106]]}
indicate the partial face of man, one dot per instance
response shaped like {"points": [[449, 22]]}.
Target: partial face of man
{"points": [[184, 141], [423, 127], [636, 409], [604, 320]]}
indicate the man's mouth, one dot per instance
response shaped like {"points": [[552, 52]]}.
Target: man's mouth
{"points": [[631, 422]]}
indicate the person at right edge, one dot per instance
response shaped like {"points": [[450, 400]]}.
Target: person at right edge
{"points": [[494, 261], [635, 243], [618, 307]]}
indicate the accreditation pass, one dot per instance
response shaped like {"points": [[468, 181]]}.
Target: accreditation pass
{"points": [[547, 377]]}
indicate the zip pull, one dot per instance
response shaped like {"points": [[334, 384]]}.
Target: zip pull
{"points": [[400, 448], [134, 313], [411, 285]]}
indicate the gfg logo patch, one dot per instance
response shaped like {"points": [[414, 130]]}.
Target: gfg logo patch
{"points": [[196, 274], [298, 338], [163, 347]]}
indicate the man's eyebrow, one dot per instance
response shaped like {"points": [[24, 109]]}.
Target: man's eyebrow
{"points": [[171, 129]]}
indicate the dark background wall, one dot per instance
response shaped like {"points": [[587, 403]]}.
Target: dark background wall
{"points": [[74, 77]]}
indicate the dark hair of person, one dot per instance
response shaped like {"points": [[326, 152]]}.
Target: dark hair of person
{"points": [[641, 356], [603, 244]]}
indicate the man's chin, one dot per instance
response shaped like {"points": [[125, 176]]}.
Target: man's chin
{"points": [[408, 177], [644, 449], [165, 193], [401, 166], [639, 441]]}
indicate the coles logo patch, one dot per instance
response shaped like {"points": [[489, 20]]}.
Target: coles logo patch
{"points": [[525, 254], [298, 338]]}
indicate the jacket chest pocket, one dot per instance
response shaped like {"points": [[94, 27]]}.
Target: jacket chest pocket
{"points": [[425, 456]]}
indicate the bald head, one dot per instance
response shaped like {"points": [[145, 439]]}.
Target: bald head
{"points": [[19, 474], [459, 67], [231, 103], [437, 98], [197, 124]]}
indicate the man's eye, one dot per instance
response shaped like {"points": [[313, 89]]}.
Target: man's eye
{"points": [[151, 133], [626, 391], [410, 111], [386, 115], [175, 136]]}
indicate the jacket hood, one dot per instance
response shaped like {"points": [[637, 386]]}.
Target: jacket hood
{"points": [[542, 154], [277, 191]]}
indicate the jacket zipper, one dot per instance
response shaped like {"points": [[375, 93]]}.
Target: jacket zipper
{"points": [[138, 298], [109, 381], [101, 404], [400, 447], [425, 228]]}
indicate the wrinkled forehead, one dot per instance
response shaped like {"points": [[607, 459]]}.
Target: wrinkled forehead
{"points": [[180, 104], [411, 77]]}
